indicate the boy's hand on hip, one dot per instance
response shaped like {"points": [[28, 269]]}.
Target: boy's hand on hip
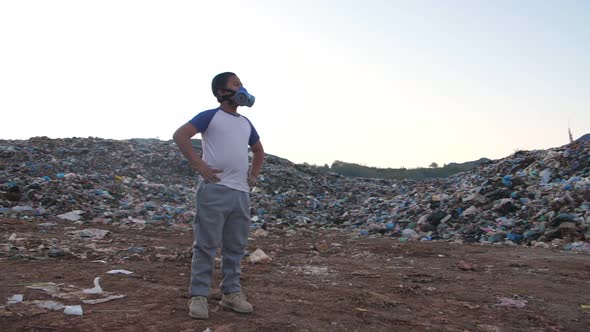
{"points": [[209, 174], [252, 180]]}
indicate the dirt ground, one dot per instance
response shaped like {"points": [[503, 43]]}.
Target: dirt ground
{"points": [[318, 280]]}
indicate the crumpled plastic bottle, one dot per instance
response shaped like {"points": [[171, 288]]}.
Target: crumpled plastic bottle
{"points": [[545, 176]]}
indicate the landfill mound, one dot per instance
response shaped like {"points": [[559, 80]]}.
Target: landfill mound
{"points": [[539, 197]]}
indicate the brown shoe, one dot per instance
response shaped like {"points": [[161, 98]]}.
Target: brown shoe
{"points": [[236, 302], [198, 307]]}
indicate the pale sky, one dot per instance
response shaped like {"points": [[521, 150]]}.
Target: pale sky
{"points": [[381, 83]]}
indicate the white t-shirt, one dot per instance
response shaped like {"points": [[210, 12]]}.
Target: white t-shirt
{"points": [[226, 138]]}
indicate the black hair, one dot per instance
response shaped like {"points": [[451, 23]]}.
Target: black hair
{"points": [[220, 82]]}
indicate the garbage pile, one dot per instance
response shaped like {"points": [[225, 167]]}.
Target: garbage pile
{"points": [[86, 178], [531, 197]]}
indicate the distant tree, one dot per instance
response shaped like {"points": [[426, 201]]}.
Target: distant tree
{"points": [[433, 165]]}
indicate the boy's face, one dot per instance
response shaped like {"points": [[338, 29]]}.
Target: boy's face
{"points": [[233, 83]]}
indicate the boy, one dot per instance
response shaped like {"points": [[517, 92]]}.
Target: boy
{"points": [[223, 199]]}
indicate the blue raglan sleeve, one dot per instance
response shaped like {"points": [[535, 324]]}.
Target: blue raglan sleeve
{"points": [[201, 121], [254, 138]]}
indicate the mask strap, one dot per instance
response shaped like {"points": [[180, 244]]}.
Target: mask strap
{"points": [[228, 97]]}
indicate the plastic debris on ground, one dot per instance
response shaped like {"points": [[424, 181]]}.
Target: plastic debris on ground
{"points": [[69, 293], [49, 305], [260, 233], [71, 216], [106, 299], [90, 233], [14, 299], [466, 266], [94, 290], [508, 302], [75, 310], [258, 256], [119, 272]]}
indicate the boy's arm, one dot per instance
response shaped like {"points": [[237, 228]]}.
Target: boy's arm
{"points": [[257, 160], [182, 138]]}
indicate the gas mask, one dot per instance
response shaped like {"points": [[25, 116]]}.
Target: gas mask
{"points": [[241, 97]]}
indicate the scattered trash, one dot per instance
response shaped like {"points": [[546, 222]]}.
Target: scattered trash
{"points": [[47, 224], [258, 256], [106, 299], [463, 265], [578, 246], [71, 216], [523, 199], [119, 272], [90, 233], [49, 305], [70, 293], [409, 234], [540, 245], [96, 289], [14, 299], [514, 302], [115, 185], [55, 252], [260, 233], [75, 310], [312, 270], [545, 176], [49, 287]]}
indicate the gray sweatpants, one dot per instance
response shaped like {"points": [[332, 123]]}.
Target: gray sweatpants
{"points": [[223, 219]]}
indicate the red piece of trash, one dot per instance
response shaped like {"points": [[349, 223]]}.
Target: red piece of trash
{"points": [[463, 265]]}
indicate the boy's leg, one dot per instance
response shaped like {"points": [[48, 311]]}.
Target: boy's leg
{"points": [[235, 239], [212, 210]]}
